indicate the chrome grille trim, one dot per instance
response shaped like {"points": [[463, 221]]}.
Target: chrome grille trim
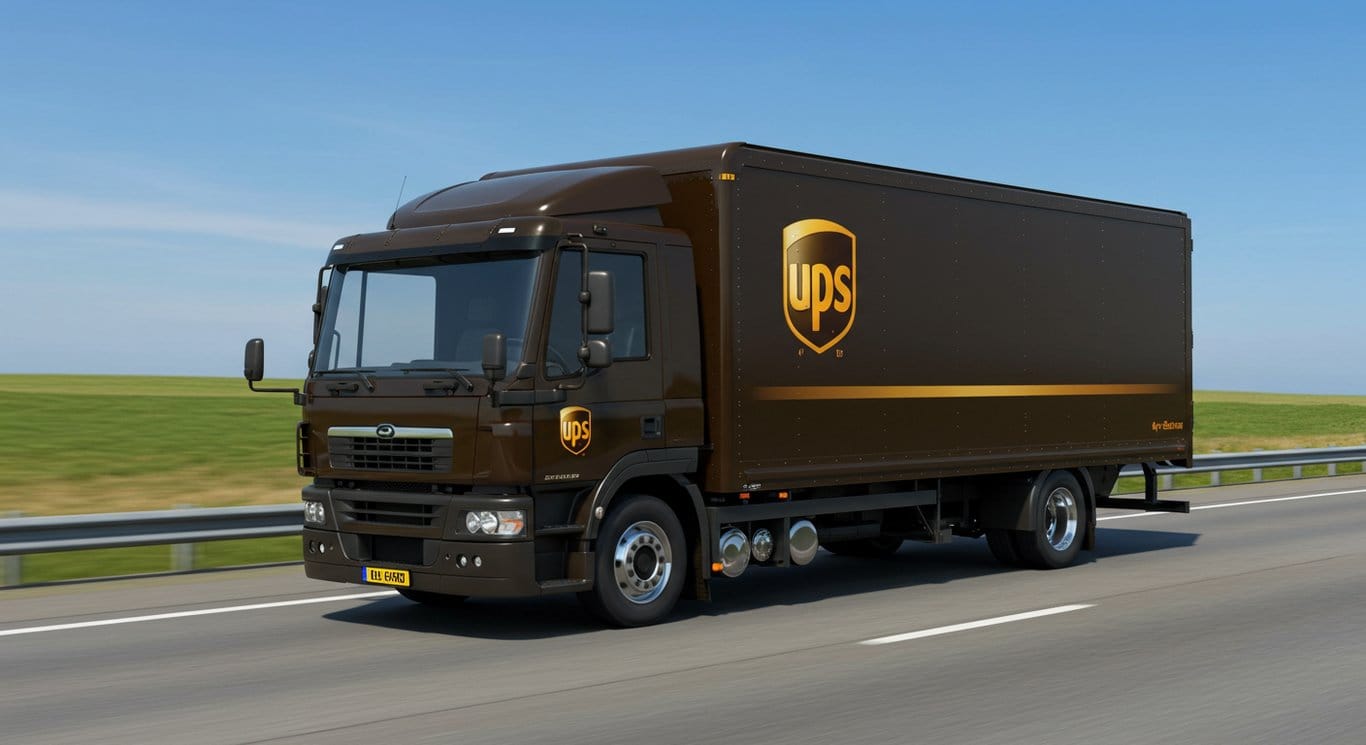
{"points": [[400, 433]]}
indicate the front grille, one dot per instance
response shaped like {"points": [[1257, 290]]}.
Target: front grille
{"points": [[397, 454], [389, 513]]}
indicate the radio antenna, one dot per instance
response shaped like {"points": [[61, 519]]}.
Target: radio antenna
{"points": [[399, 198]]}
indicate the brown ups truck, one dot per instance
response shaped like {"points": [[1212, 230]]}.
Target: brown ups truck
{"points": [[627, 378]]}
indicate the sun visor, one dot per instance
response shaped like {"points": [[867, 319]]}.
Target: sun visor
{"points": [[581, 191]]}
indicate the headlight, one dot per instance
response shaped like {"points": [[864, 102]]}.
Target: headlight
{"points": [[511, 522], [501, 522], [314, 513]]}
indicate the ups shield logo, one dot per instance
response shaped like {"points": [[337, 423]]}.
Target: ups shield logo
{"points": [[576, 428], [819, 275]]}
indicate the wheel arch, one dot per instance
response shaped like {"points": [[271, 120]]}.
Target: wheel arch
{"points": [[662, 474]]}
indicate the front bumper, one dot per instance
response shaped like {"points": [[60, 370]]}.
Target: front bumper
{"points": [[504, 569], [424, 534]]}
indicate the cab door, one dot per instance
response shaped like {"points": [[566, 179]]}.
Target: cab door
{"points": [[606, 412]]}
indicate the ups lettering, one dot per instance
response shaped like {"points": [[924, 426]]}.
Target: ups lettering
{"points": [[575, 432], [817, 289]]}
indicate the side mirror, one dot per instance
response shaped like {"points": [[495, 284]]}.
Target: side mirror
{"points": [[596, 353], [601, 313], [495, 356], [254, 364]]}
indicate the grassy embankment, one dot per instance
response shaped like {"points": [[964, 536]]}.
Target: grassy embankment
{"points": [[78, 444]]}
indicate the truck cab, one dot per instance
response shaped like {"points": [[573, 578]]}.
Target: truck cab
{"points": [[476, 374]]}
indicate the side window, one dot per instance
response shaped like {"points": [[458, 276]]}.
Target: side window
{"points": [[629, 340]]}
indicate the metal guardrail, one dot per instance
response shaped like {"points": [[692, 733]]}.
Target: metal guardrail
{"points": [[33, 535], [180, 528], [1296, 460], [177, 528]]}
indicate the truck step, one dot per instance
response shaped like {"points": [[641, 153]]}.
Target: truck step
{"points": [[564, 585], [560, 530]]}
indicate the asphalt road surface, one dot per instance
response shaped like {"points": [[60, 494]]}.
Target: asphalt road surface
{"points": [[1244, 622]]}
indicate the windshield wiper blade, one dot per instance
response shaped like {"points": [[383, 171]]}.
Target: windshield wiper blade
{"points": [[358, 372], [454, 372]]}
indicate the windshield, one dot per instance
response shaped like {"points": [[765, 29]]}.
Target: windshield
{"points": [[433, 315]]}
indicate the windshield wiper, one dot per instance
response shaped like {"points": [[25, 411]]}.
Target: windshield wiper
{"points": [[454, 372], [357, 371]]}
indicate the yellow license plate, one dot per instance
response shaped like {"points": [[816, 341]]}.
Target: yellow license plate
{"points": [[393, 577]]}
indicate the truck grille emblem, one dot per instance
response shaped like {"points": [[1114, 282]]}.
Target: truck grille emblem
{"points": [[819, 282], [385, 431]]}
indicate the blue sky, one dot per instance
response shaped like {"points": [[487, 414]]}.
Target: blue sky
{"points": [[172, 174]]}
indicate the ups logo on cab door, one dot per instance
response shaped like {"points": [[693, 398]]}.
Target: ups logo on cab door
{"points": [[576, 429], [819, 274]]}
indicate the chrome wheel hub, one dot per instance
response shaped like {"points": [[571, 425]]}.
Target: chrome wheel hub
{"points": [[1060, 517], [642, 562]]}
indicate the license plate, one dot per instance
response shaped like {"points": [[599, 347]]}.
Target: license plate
{"points": [[392, 577]]}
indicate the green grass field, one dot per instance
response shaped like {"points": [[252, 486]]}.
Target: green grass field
{"points": [[113, 443], [79, 444]]}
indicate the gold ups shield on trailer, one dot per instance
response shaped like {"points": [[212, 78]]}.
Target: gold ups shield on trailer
{"points": [[819, 282]]}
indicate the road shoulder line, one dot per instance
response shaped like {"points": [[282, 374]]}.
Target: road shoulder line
{"points": [[937, 631]]}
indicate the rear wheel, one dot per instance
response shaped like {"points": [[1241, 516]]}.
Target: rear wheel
{"points": [[880, 547], [431, 599], [640, 563], [1059, 520]]}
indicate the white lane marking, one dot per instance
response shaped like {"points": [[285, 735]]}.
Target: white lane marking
{"points": [[974, 624], [1238, 504], [189, 613]]}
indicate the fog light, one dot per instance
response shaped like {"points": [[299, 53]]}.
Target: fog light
{"points": [[462, 561], [314, 513], [478, 561]]}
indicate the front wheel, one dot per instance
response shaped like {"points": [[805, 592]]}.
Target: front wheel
{"points": [[640, 564], [1059, 522]]}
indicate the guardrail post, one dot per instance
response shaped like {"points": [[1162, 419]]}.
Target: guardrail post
{"points": [[1166, 482], [1213, 478], [1297, 472], [1332, 469], [12, 567], [1256, 474], [182, 554]]}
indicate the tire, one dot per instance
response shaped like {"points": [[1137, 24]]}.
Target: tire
{"points": [[1059, 524], [1002, 545], [431, 599], [881, 547], [640, 565]]}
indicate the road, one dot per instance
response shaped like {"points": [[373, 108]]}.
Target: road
{"points": [[1244, 622]]}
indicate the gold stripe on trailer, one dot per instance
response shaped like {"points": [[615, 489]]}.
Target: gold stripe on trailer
{"points": [[851, 392]]}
